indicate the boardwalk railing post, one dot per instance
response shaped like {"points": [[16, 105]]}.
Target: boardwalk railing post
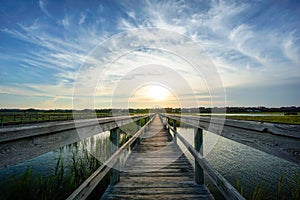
{"points": [[138, 126], [175, 128], [198, 142], [168, 128], [114, 145]]}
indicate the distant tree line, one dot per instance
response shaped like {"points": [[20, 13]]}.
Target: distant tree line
{"points": [[167, 110]]}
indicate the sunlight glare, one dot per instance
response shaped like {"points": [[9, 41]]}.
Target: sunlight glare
{"points": [[157, 92]]}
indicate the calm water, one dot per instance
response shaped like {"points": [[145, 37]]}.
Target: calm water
{"points": [[231, 159], [45, 164], [234, 160]]}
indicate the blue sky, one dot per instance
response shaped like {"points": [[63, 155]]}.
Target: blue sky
{"points": [[254, 45]]}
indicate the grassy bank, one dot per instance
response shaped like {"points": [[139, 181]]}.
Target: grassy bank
{"points": [[288, 119]]}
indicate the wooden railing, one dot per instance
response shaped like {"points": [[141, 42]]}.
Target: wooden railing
{"points": [[281, 140], [18, 144], [276, 139], [201, 164], [110, 165]]}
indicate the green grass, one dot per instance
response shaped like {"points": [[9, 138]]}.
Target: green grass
{"points": [[20, 117], [66, 179], [289, 119], [38, 117], [285, 190], [286, 119]]}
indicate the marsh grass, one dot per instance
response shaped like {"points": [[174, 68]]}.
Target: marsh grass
{"points": [[66, 178], [295, 188], [239, 187], [289, 119], [286, 190]]}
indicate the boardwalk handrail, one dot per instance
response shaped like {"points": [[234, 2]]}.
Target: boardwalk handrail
{"points": [[18, 144], [84, 190], [279, 140], [219, 181]]}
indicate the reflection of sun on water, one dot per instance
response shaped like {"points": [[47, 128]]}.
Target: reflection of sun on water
{"points": [[157, 92]]}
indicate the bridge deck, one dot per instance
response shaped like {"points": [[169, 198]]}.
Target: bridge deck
{"points": [[157, 169]]}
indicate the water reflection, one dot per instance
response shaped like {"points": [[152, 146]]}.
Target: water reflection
{"points": [[67, 166], [251, 167]]}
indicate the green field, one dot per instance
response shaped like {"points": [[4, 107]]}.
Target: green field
{"points": [[37, 116], [288, 119], [27, 118], [281, 118]]}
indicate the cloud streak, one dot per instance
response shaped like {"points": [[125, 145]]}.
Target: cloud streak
{"points": [[242, 41]]}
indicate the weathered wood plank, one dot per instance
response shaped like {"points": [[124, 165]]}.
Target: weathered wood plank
{"points": [[158, 169], [160, 196], [156, 190], [279, 140]]}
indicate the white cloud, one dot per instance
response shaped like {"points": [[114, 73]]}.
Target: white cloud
{"points": [[237, 47], [42, 5], [241, 34], [290, 50], [82, 18], [38, 90]]}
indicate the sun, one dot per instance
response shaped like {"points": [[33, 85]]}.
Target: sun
{"points": [[157, 92]]}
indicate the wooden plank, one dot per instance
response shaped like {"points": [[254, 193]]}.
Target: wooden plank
{"points": [[157, 190], [107, 123], [164, 174], [289, 130], [20, 144], [279, 140], [160, 196]]}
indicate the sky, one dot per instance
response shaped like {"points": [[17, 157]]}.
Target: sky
{"points": [[102, 54]]}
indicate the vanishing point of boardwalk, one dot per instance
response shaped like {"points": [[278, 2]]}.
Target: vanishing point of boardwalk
{"points": [[157, 169]]}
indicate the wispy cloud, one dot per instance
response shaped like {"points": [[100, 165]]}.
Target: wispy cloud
{"points": [[290, 49], [231, 33], [82, 18], [43, 7]]}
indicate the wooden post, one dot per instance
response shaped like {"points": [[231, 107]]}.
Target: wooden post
{"points": [[114, 145], [175, 128], [168, 127], [138, 126], [147, 120], [198, 142]]}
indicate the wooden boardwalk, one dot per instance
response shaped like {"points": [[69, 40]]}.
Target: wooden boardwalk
{"points": [[157, 169]]}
